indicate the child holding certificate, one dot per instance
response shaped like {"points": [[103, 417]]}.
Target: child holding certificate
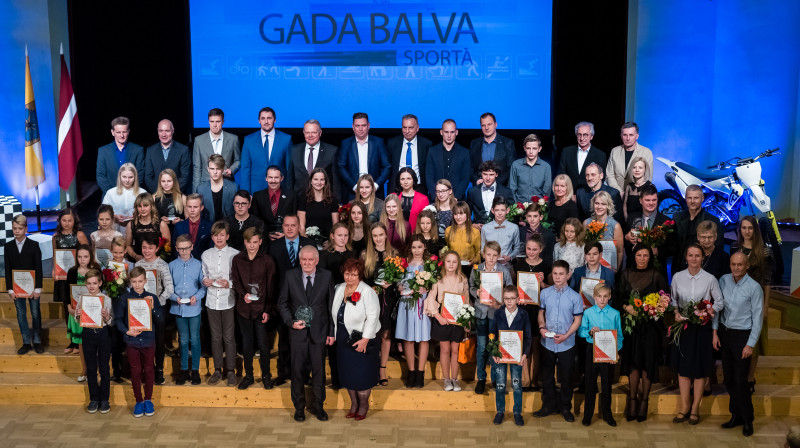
{"points": [[118, 247], [452, 286], [600, 317], [138, 308], [486, 290], [23, 254], [103, 237], [67, 237], [77, 276], [95, 314], [509, 321]]}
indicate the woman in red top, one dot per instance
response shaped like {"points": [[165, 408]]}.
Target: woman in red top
{"points": [[411, 200]]}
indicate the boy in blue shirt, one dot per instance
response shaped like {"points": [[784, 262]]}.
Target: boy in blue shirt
{"points": [[187, 280], [599, 317]]}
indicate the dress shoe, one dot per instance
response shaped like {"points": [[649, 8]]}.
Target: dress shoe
{"points": [[411, 379], [544, 412], [160, 377], [215, 377], [266, 381], [498, 418], [231, 378], [280, 380], [518, 420], [247, 381], [585, 422], [480, 387], [611, 422], [747, 429], [732, 423], [359, 417], [24, 349], [92, 408], [322, 415], [350, 415], [38, 348], [180, 378], [299, 416], [195, 377], [117, 378], [568, 417]]}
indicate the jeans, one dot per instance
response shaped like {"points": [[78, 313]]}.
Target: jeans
{"points": [[97, 351], [22, 320], [482, 357], [499, 378], [189, 331]]}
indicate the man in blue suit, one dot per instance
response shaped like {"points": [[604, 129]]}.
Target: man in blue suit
{"points": [[448, 160], [167, 153], [113, 155], [492, 147], [268, 146], [362, 154]]}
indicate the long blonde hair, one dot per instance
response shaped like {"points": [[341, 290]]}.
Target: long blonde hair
{"points": [[148, 198], [370, 255], [451, 200], [399, 221], [629, 180], [177, 196], [368, 178], [580, 232], [128, 167]]}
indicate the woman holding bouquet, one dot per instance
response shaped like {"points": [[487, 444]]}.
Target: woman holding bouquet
{"points": [[602, 212], [413, 325], [355, 310], [692, 355], [641, 353], [448, 334]]}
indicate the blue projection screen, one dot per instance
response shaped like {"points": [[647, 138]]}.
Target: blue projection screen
{"points": [[327, 59]]}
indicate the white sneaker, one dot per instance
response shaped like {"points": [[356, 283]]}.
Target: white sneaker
{"points": [[82, 378], [456, 387], [448, 385]]}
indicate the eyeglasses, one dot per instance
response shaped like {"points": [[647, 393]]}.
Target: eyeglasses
{"points": [[442, 191], [240, 204], [184, 249], [584, 135]]}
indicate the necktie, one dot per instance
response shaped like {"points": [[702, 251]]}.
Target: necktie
{"points": [[216, 146], [274, 204], [408, 155], [308, 286], [292, 254], [485, 188], [310, 163]]}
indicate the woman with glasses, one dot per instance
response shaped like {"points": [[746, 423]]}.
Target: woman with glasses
{"points": [[444, 203]]}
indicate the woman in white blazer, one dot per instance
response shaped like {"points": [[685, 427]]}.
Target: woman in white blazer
{"points": [[356, 310]]}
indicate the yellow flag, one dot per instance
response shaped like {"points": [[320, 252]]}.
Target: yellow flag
{"points": [[34, 165]]}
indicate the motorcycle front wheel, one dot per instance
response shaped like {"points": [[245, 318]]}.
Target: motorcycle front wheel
{"points": [[670, 202]]}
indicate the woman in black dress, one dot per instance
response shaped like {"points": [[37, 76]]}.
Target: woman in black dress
{"points": [[355, 310], [338, 251], [318, 207], [641, 352], [145, 224], [359, 224], [562, 206], [637, 177], [429, 229]]}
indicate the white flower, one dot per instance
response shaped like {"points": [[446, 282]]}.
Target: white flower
{"points": [[420, 281], [541, 201], [119, 281], [431, 208], [525, 204], [312, 231]]}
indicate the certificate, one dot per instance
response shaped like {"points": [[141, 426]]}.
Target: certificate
{"points": [[609, 258], [510, 346], [63, 260], [103, 256], [151, 283], [24, 283], [528, 287], [76, 291], [605, 346], [451, 304], [491, 287], [587, 290], [139, 314], [91, 311]]}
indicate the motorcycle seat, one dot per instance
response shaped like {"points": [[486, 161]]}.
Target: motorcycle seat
{"points": [[704, 175]]}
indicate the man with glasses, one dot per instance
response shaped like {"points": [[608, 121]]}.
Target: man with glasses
{"points": [[575, 159], [447, 160], [242, 220]]}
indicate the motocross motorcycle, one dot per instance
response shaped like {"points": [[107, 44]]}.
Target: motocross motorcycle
{"points": [[731, 188]]}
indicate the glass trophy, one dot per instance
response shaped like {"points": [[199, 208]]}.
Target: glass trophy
{"points": [[253, 291], [304, 314]]}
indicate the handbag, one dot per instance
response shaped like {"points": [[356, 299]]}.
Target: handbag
{"points": [[467, 350], [354, 337]]}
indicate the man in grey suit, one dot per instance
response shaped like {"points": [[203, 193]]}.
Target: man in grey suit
{"points": [[113, 155], [310, 287], [215, 141], [167, 153], [311, 154]]}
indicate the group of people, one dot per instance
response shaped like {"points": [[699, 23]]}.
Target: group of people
{"points": [[247, 259]]}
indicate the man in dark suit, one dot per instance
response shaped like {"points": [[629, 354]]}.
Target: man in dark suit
{"points": [[649, 217], [311, 154], [480, 197], [113, 155], [574, 159], [265, 147], [594, 183], [409, 150], [492, 147], [686, 222], [167, 153], [22, 253], [362, 154], [274, 203], [284, 251], [198, 229], [448, 160], [215, 141]]}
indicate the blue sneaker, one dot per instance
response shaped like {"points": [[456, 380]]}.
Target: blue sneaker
{"points": [[149, 409], [138, 410]]}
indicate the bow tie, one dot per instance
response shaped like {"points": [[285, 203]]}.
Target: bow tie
{"points": [[485, 188]]}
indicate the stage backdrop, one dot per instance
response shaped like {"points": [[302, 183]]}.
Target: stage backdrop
{"points": [[711, 80], [327, 59]]}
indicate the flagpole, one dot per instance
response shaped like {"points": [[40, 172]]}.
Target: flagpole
{"points": [[38, 211]]}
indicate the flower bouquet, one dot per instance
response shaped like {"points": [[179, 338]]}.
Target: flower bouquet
{"points": [[164, 251], [344, 212], [595, 232], [655, 237], [631, 320], [696, 313], [466, 316], [516, 212], [656, 304], [313, 233], [493, 346], [115, 281], [544, 209], [391, 271], [476, 277], [425, 278]]}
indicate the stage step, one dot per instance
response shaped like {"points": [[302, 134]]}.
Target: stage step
{"points": [[774, 318], [783, 343]]}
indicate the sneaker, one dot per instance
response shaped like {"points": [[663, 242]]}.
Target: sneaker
{"points": [[81, 378], [215, 377], [104, 407], [160, 377], [518, 420], [138, 410], [92, 408], [149, 409], [498, 418], [231, 378], [456, 386], [448, 384], [24, 349], [195, 377]]}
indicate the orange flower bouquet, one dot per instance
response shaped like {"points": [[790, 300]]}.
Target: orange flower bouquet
{"points": [[595, 231]]}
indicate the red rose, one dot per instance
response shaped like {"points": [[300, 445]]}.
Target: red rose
{"points": [[546, 198], [434, 258], [355, 297], [404, 263], [535, 198], [439, 263]]}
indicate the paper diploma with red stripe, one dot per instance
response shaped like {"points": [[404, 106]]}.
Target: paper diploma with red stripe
{"points": [[91, 311], [140, 315], [24, 282], [451, 304], [510, 346], [491, 287], [605, 345]]}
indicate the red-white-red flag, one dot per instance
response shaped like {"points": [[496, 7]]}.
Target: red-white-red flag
{"points": [[70, 146]]}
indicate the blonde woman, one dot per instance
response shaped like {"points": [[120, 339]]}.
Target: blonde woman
{"points": [[562, 202], [366, 195], [634, 181], [169, 199], [392, 217], [602, 211], [123, 196], [145, 224]]}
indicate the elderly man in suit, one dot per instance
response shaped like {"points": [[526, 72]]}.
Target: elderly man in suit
{"points": [[167, 153], [619, 163], [362, 154], [274, 203], [480, 198], [409, 150], [311, 154], [265, 147], [574, 159], [113, 155], [448, 160], [215, 141], [492, 147]]}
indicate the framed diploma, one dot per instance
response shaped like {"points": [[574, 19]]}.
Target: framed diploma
{"points": [[510, 346], [140, 314], [609, 258], [63, 260], [528, 287], [587, 290], [24, 283], [76, 291], [491, 287], [103, 256], [151, 283], [604, 347], [451, 304], [91, 311]]}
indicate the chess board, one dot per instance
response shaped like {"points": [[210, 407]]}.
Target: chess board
{"points": [[10, 206]]}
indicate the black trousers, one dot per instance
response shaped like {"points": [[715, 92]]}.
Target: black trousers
{"points": [[735, 370], [117, 347], [284, 346], [561, 401], [304, 352], [160, 326], [254, 333], [97, 351], [593, 370]]}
